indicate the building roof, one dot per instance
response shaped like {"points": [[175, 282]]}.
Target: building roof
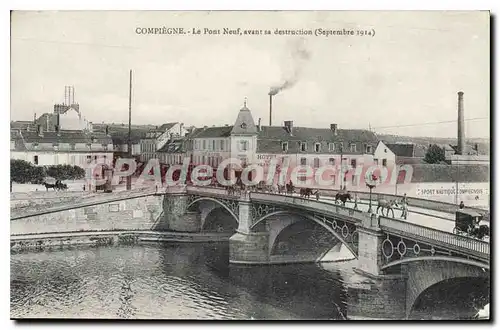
{"points": [[213, 132], [66, 137], [175, 146], [166, 127], [307, 134], [402, 149], [244, 124]]}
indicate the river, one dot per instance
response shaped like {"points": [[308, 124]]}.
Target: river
{"points": [[180, 281]]}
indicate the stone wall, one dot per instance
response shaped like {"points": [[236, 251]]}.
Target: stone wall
{"points": [[132, 214], [176, 217]]}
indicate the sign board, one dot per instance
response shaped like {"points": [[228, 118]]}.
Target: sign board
{"points": [[479, 189]]}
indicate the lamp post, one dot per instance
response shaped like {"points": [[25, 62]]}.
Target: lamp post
{"points": [[342, 177], [371, 185]]}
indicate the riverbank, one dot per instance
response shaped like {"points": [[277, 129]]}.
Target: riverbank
{"points": [[19, 243]]}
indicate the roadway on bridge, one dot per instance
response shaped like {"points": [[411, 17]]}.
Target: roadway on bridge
{"points": [[419, 216]]}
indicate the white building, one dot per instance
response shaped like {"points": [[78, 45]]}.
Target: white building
{"points": [[60, 148]]}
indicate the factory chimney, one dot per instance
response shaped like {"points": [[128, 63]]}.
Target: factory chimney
{"points": [[258, 126], [270, 109], [460, 128]]}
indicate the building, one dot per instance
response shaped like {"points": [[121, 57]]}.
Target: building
{"points": [[157, 137], [254, 144], [407, 153], [60, 147]]}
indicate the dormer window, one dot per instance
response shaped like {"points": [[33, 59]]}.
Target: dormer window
{"points": [[369, 149], [303, 146], [353, 147], [284, 146], [331, 146], [317, 147], [89, 145]]}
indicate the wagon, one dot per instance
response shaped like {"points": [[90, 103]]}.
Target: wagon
{"points": [[465, 221]]}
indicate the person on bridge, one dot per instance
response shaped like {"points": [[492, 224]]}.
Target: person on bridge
{"points": [[462, 205], [317, 195]]}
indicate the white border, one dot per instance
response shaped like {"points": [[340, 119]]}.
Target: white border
{"points": [[191, 5]]}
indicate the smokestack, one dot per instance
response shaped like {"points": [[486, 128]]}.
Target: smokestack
{"points": [[333, 128], [258, 126], [107, 130], [270, 109], [460, 128], [289, 126]]}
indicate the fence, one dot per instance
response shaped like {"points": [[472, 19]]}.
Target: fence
{"points": [[436, 237]]}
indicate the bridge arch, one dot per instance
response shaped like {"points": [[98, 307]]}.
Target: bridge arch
{"points": [[304, 216], [208, 214], [429, 272]]}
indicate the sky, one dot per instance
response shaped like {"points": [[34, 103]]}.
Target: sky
{"points": [[403, 80]]}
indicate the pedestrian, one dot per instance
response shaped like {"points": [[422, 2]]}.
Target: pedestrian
{"points": [[83, 187], [317, 195], [356, 201]]}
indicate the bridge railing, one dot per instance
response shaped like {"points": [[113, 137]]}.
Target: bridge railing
{"points": [[312, 205], [94, 199], [412, 201], [436, 237]]}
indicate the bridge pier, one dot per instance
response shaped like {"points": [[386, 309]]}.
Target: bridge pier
{"points": [[247, 247], [176, 216]]}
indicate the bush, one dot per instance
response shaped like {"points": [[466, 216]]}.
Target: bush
{"points": [[434, 155]]}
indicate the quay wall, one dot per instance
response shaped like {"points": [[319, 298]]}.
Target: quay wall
{"points": [[141, 213]]}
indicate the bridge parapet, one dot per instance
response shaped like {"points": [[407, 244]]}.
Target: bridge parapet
{"points": [[467, 246], [318, 207]]}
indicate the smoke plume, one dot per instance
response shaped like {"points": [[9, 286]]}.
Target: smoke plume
{"points": [[300, 55]]}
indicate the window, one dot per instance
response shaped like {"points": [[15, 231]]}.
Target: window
{"points": [[35, 145], [243, 145], [369, 149], [331, 146], [384, 162], [303, 161], [353, 147], [341, 145], [72, 146], [89, 158], [353, 163], [104, 146], [204, 144], [375, 160], [55, 146], [213, 144], [303, 146], [222, 145], [316, 162], [35, 160], [89, 145], [331, 161], [317, 147], [284, 146]]}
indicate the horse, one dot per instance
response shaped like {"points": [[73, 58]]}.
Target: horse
{"points": [[281, 189], [50, 185], [480, 232], [305, 192], [289, 189], [343, 197], [384, 204]]}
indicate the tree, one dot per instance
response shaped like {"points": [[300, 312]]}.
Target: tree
{"points": [[434, 155], [22, 171], [65, 172]]}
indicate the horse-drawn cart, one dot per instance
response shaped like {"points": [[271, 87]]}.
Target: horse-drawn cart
{"points": [[468, 222]]}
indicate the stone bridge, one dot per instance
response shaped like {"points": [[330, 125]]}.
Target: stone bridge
{"points": [[273, 229]]}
